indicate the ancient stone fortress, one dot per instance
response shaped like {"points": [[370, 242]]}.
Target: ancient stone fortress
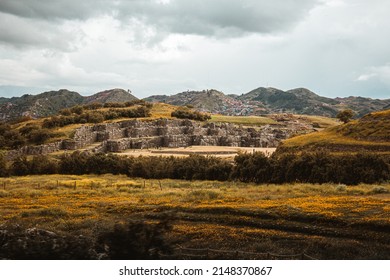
{"points": [[135, 134], [172, 133]]}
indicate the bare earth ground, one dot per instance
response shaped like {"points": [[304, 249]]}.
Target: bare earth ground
{"points": [[218, 151]]}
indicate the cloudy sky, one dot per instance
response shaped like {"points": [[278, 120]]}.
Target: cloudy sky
{"points": [[333, 47]]}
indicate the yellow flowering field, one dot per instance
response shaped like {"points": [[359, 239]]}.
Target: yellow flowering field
{"points": [[206, 213]]}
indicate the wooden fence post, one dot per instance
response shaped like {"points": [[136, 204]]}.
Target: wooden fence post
{"points": [[75, 184], [159, 182]]}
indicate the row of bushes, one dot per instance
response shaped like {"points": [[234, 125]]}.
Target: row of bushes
{"points": [[194, 167], [79, 109], [96, 116], [185, 113], [29, 134], [317, 167]]}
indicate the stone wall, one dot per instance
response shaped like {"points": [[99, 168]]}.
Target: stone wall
{"points": [[35, 150], [135, 134], [184, 133]]}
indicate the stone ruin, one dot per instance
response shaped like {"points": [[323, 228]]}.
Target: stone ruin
{"points": [[135, 134], [172, 133]]}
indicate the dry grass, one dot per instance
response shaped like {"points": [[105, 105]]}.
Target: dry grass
{"points": [[206, 213], [225, 152], [162, 110], [329, 138], [369, 133], [323, 122], [244, 120]]}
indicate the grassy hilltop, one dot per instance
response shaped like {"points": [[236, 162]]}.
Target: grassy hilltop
{"points": [[370, 133]]}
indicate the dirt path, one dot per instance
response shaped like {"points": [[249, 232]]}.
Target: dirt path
{"points": [[218, 151]]}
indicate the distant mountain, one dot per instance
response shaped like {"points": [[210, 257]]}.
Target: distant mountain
{"points": [[212, 101], [363, 105], [35, 106], [206, 100], [270, 101], [112, 95], [49, 103], [259, 101], [297, 101]]}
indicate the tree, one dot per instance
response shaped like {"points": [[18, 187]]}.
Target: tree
{"points": [[345, 115]]}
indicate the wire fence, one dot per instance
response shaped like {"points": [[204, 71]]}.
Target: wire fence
{"points": [[208, 253]]}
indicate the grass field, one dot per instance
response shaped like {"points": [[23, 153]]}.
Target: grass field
{"points": [[322, 122], [244, 120], [323, 221]]}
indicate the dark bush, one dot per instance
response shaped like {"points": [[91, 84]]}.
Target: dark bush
{"points": [[21, 166], [136, 240], [43, 164], [39, 136], [78, 110], [65, 112]]}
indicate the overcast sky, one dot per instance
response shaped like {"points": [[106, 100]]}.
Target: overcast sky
{"points": [[332, 47]]}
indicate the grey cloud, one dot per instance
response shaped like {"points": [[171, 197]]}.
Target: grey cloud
{"points": [[218, 17], [22, 33], [213, 17], [56, 9]]}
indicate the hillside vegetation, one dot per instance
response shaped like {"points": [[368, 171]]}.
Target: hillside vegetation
{"points": [[370, 133]]}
